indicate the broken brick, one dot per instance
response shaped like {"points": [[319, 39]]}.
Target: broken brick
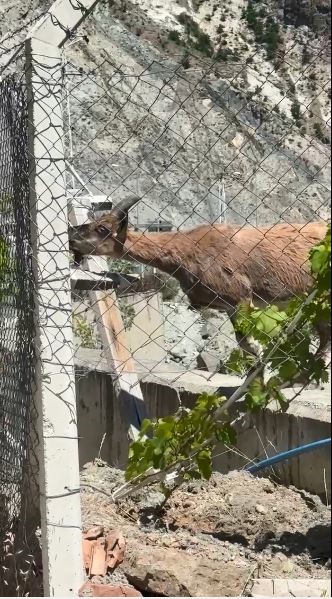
{"points": [[98, 562], [93, 533], [107, 590], [88, 547], [115, 548]]}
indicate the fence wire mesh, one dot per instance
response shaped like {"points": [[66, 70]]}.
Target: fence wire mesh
{"points": [[17, 435], [216, 151], [184, 136], [216, 142]]}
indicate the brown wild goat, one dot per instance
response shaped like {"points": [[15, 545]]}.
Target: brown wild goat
{"points": [[216, 265]]}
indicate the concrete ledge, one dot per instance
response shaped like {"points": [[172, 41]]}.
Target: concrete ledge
{"points": [[291, 587], [164, 386]]}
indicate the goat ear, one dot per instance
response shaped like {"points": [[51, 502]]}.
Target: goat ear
{"points": [[120, 212]]}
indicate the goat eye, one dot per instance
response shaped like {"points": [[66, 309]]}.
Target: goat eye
{"points": [[103, 230]]}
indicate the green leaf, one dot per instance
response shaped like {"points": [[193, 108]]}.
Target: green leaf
{"points": [[257, 395], [288, 370], [195, 474], [226, 434], [145, 426], [204, 463]]}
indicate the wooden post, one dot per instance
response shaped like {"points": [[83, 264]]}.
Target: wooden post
{"points": [[126, 383]]}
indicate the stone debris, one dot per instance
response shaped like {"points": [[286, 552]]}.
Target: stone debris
{"points": [[211, 538], [164, 571]]}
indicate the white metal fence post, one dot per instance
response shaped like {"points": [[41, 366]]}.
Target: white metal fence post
{"points": [[59, 488]]}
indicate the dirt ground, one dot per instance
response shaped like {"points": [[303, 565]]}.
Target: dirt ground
{"points": [[250, 525]]}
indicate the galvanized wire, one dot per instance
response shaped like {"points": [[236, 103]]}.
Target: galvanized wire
{"points": [[159, 131], [16, 312]]}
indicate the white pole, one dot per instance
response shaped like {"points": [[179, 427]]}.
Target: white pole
{"points": [[55, 379], [54, 395]]}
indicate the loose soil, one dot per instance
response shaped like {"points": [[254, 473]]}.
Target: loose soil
{"points": [[236, 519]]}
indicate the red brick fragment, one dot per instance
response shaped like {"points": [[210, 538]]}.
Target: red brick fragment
{"points": [[87, 553], [115, 548], [107, 590], [94, 532], [98, 562]]}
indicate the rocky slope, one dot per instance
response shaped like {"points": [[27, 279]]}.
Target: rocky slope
{"points": [[167, 97], [160, 117]]}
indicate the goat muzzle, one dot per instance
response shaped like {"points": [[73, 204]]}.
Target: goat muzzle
{"points": [[76, 237]]}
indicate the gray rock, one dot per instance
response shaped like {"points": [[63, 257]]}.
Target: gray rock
{"points": [[208, 361], [173, 573]]}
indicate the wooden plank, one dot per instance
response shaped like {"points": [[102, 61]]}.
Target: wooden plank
{"points": [[112, 332], [94, 281], [118, 356], [86, 281]]}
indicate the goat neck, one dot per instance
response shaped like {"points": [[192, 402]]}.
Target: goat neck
{"points": [[160, 250]]}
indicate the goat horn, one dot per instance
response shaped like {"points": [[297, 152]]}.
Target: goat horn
{"points": [[125, 205]]}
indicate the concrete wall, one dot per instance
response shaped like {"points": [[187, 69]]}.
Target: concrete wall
{"points": [[146, 336], [267, 432]]}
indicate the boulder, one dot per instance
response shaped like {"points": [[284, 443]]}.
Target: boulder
{"points": [[174, 573]]}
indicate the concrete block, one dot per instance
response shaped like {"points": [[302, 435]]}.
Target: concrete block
{"points": [[291, 587]]}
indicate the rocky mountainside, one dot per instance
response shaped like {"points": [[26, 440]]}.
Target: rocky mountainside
{"points": [[168, 97], [184, 94]]}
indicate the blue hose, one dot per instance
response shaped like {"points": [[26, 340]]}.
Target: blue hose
{"points": [[285, 455]]}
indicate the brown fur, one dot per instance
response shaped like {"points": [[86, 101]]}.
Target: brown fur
{"points": [[216, 265]]}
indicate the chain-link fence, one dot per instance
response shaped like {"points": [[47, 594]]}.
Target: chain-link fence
{"points": [[17, 411], [210, 142], [190, 169]]}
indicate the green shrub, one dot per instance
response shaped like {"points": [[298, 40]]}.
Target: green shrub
{"points": [[226, 53], [6, 202], [124, 266], [265, 30], [271, 39], [306, 56], [195, 36], [185, 61], [127, 313], [175, 37], [5, 270], [320, 134], [292, 88], [170, 289], [83, 330], [295, 111], [204, 45]]}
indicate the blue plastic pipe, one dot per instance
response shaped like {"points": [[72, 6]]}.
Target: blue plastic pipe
{"points": [[286, 455]]}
